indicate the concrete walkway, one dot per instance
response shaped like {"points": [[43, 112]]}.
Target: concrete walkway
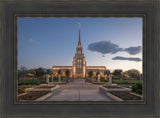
{"points": [[79, 92]]}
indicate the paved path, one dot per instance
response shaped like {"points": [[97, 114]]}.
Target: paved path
{"points": [[79, 92]]}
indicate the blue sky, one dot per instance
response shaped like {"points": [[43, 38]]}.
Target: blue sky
{"points": [[46, 42]]}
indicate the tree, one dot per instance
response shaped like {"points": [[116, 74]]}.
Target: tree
{"points": [[59, 71], [67, 73], [90, 74], [23, 70], [49, 71], [107, 72], [18, 74], [133, 73], [39, 72], [117, 72], [97, 73]]}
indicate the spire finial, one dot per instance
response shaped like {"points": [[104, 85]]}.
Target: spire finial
{"points": [[79, 25], [79, 42]]}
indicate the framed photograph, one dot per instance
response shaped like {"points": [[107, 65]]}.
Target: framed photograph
{"points": [[118, 78], [80, 59]]}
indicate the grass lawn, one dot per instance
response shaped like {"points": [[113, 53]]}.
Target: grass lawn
{"points": [[21, 89], [118, 81], [35, 81], [125, 86]]}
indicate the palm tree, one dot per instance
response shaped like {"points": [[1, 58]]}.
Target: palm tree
{"points": [[49, 71], [39, 72], [59, 71], [107, 72], [97, 73], [90, 74], [67, 73]]}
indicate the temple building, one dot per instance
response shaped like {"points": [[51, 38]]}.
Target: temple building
{"points": [[79, 68]]}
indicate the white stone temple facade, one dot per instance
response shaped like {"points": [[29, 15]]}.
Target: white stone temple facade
{"points": [[79, 68]]}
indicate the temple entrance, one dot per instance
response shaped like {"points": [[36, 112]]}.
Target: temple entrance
{"points": [[79, 75]]}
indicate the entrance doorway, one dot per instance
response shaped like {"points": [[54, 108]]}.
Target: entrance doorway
{"points": [[79, 75]]}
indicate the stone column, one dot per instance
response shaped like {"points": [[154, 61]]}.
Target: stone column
{"points": [[105, 77], [110, 79], [51, 77], [99, 77], [47, 78], [59, 78]]}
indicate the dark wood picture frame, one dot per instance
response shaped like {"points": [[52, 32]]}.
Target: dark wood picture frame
{"points": [[80, 16], [149, 10]]}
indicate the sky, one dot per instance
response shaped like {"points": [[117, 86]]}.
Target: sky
{"points": [[112, 42]]}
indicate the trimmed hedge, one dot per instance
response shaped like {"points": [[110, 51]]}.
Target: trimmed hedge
{"points": [[137, 88], [36, 81], [124, 81]]}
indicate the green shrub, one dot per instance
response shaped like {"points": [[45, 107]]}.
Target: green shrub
{"points": [[134, 88], [103, 80], [20, 91], [139, 91], [137, 88], [23, 87], [139, 85], [124, 81]]}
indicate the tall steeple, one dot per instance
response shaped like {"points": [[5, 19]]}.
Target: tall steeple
{"points": [[79, 41]]}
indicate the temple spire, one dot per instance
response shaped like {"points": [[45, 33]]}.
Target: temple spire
{"points": [[79, 41]]}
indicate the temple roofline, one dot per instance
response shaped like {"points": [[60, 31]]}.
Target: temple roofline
{"points": [[96, 67], [61, 67]]}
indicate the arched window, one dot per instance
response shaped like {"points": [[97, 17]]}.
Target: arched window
{"points": [[79, 63]]}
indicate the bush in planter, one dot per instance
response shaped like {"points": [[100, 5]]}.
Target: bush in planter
{"points": [[139, 91], [20, 91], [139, 85], [137, 88], [134, 88], [103, 80]]}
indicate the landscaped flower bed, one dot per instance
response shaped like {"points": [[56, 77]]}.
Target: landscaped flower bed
{"points": [[125, 95], [20, 91], [32, 96], [46, 86]]}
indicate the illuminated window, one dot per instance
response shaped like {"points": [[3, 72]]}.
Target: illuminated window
{"points": [[79, 51]]}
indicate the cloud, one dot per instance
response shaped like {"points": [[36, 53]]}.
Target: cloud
{"points": [[127, 58], [108, 47], [133, 50], [104, 47]]}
